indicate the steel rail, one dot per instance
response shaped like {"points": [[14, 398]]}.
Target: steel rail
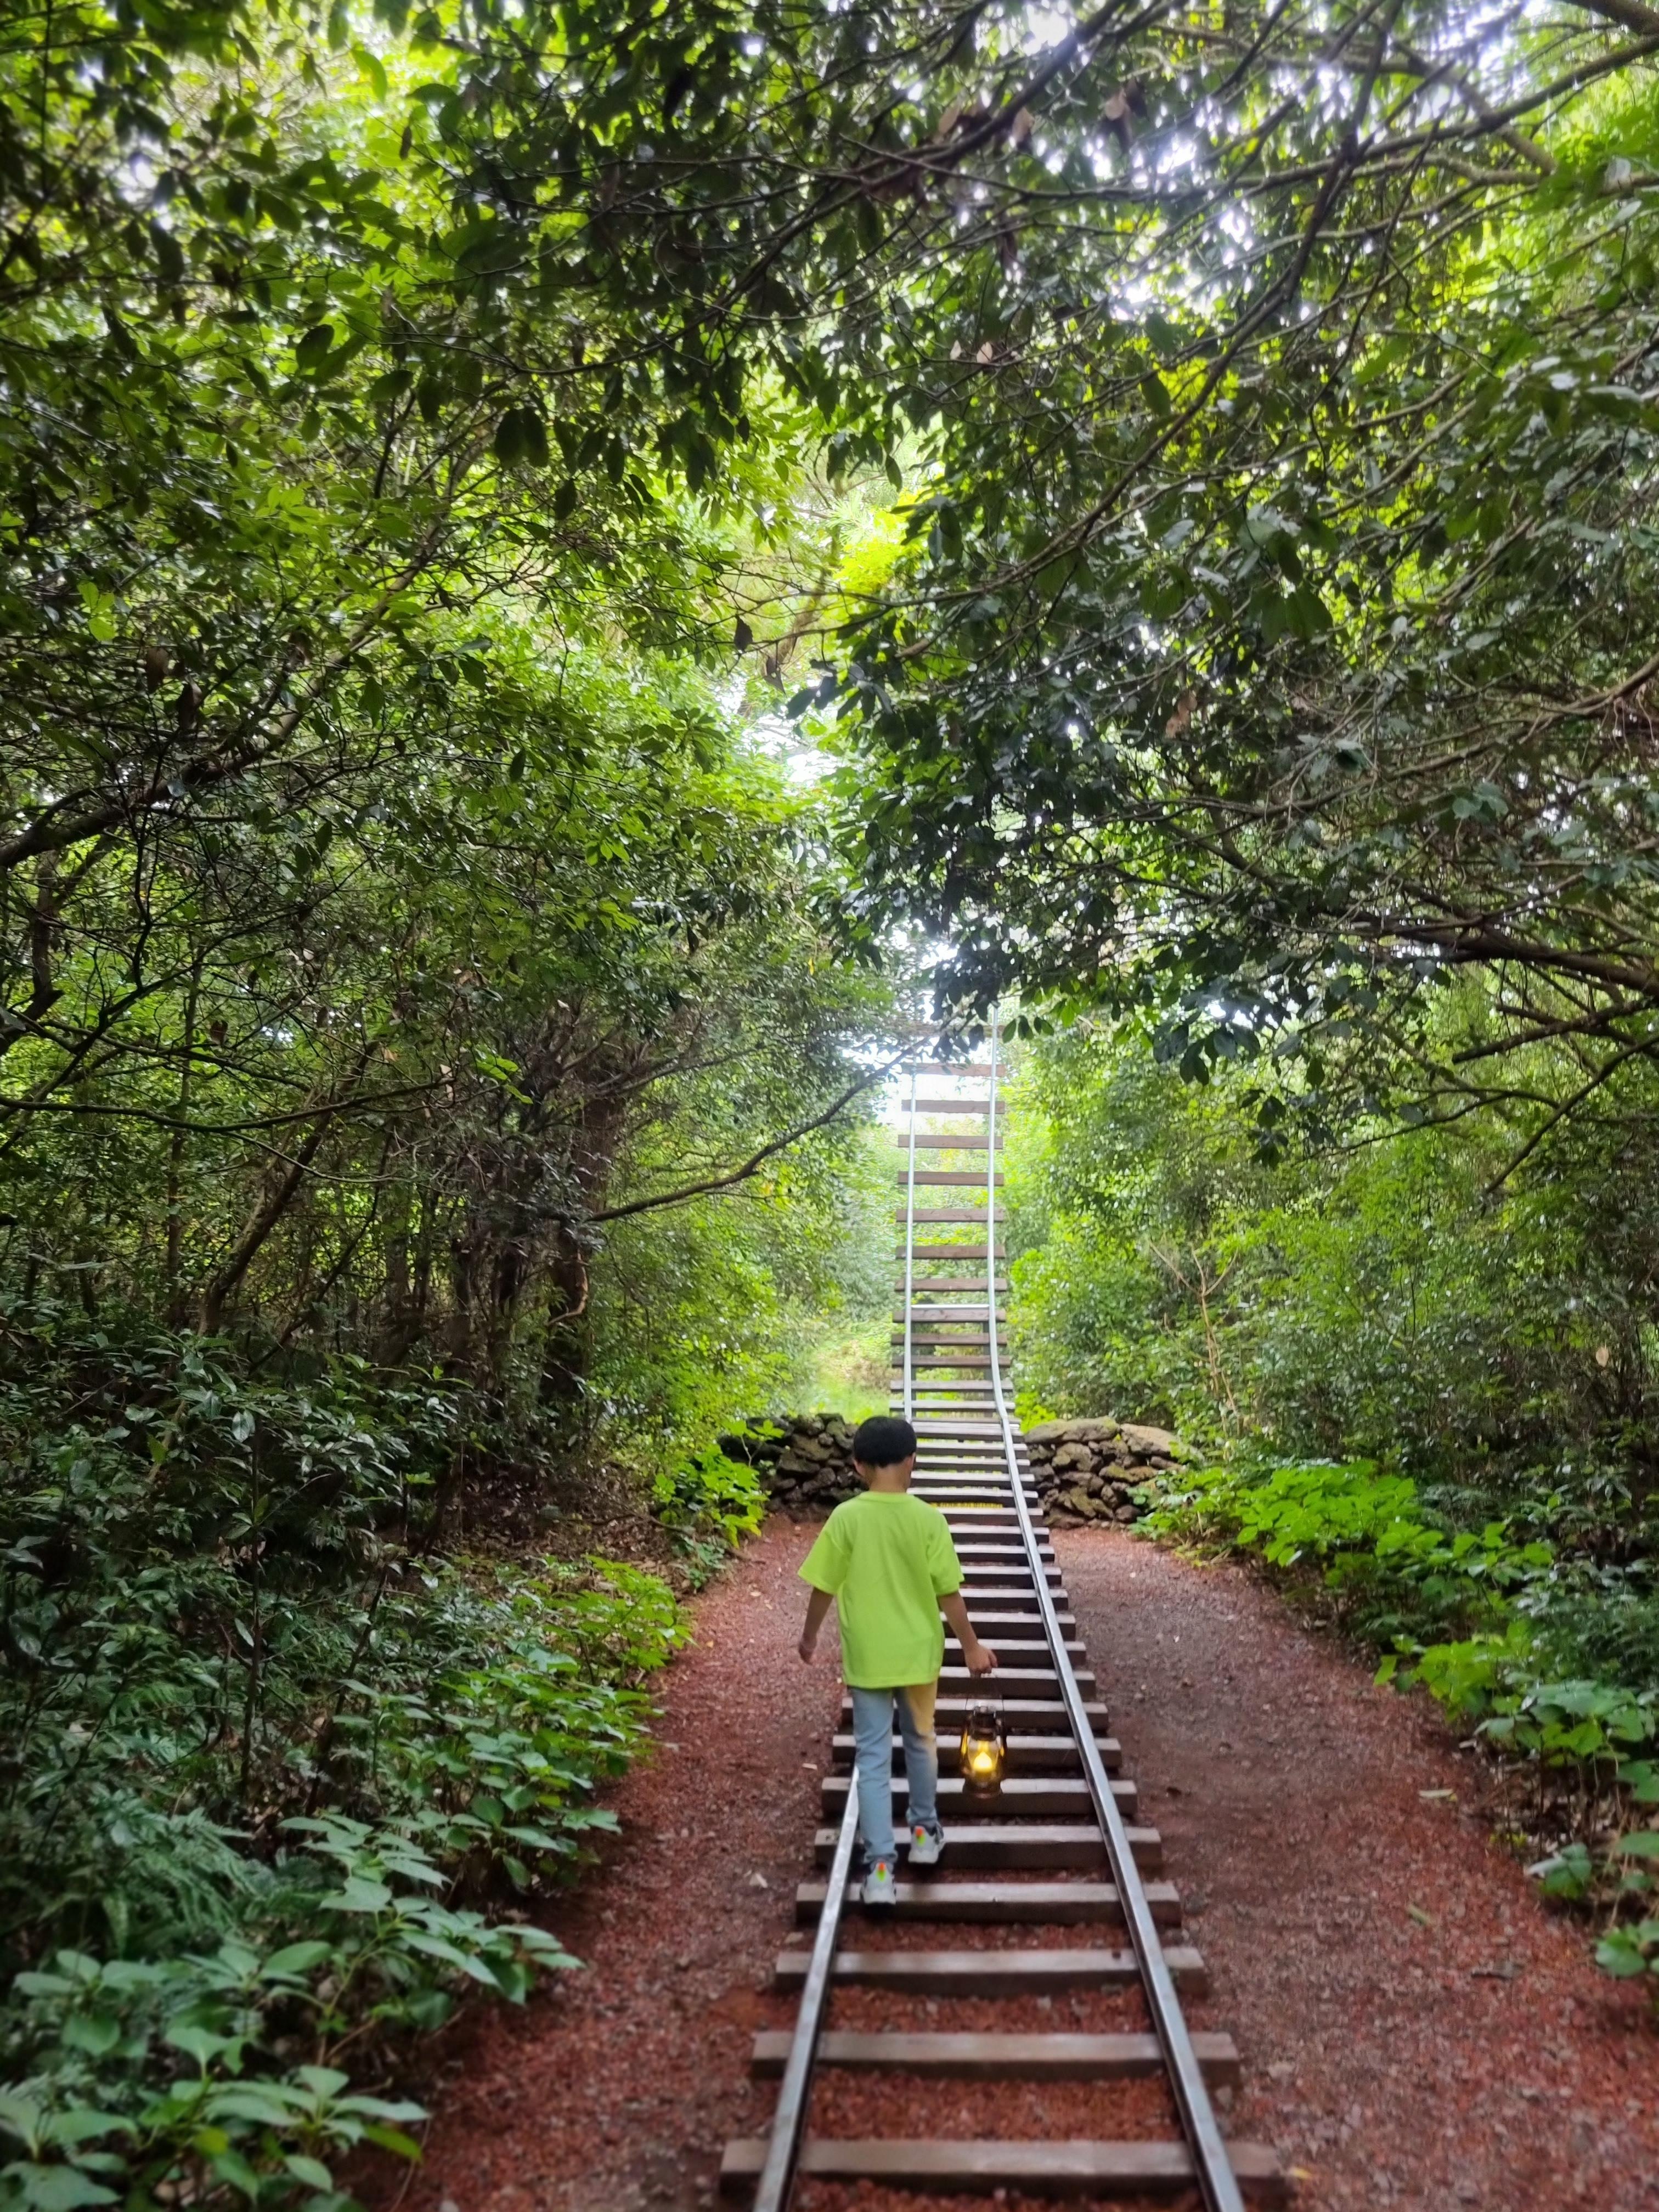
{"points": [[777, 2179], [909, 1245], [1213, 2168], [783, 2151]]}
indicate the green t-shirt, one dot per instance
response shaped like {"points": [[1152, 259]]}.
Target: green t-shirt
{"points": [[887, 1558]]}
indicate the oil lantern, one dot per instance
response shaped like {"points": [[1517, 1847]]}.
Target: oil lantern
{"points": [[984, 1752]]}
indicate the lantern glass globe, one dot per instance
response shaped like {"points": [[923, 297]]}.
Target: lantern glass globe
{"points": [[983, 1752]]}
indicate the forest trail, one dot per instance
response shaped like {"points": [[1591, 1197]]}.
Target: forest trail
{"points": [[1416, 2032]]}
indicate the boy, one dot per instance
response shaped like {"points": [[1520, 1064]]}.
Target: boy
{"points": [[888, 1561]]}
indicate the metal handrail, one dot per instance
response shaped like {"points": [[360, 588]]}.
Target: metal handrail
{"points": [[1213, 2171], [777, 2178], [783, 2151], [909, 1245]]}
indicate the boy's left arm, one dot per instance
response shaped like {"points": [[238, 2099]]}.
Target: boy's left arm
{"points": [[817, 1606]]}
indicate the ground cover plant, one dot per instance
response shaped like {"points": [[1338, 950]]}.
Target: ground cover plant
{"points": [[280, 1783], [1490, 1625]]}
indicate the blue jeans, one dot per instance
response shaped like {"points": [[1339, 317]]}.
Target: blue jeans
{"points": [[872, 1733]]}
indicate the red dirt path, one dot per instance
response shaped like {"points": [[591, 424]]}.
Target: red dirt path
{"points": [[1464, 2053], [1474, 2055]]}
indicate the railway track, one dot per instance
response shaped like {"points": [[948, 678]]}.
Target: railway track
{"points": [[1055, 1889]]}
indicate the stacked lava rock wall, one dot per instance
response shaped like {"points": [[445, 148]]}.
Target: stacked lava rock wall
{"points": [[805, 1460], [1093, 1470], [1083, 1470]]}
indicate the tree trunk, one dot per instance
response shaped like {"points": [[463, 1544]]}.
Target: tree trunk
{"points": [[274, 1202], [43, 990], [174, 1264], [397, 1297], [567, 1350]]}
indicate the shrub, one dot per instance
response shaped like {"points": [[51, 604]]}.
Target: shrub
{"points": [[176, 2073], [268, 1777], [711, 1503], [1477, 1618]]}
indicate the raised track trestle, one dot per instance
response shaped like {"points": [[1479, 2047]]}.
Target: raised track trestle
{"points": [[1069, 1864]]}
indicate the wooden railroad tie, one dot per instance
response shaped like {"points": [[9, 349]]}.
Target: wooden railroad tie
{"points": [[1022, 1797], [1010, 1973], [951, 2168], [1011, 1904], [1055, 1756], [993, 2058]]}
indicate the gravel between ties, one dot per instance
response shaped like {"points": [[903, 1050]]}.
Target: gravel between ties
{"points": [[1417, 2030]]}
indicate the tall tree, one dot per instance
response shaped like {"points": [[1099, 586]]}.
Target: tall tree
{"points": [[1279, 632]]}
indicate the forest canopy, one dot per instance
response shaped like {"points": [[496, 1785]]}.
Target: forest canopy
{"points": [[1267, 395], [1282, 639]]}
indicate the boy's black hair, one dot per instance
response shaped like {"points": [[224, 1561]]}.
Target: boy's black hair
{"points": [[883, 1441]]}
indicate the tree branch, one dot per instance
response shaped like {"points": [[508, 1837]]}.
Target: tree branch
{"points": [[753, 1164], [1634, 14]]}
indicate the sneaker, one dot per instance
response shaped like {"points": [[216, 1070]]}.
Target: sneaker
{"points": [[925, 1844], [878, 1887]]}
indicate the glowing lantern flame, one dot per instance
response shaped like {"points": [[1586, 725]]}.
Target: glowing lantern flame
{"points": [[984, 1752]]}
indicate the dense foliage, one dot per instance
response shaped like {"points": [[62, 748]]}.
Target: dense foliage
{"points": [[400, 398], [392, 893], [1395, 1294], [1425, 1392], [272, 1768], [1194, 465], [429, 1088], [1280, 625]]}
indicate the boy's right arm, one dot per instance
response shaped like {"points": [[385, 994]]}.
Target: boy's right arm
{"points": [[816, 1606]]}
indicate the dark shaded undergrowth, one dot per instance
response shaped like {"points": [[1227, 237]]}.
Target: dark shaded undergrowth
{"points": [[286, 1771]]}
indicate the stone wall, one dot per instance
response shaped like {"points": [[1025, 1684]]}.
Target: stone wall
{"points": [[1083, 1470], [807, 1463], [1091, 1470]]}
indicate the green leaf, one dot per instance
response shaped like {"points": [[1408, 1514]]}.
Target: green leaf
{"points": [[297, 1959], [521, 439], [169, 254], [264, 2104], [392, 2139], [96, 2032], [322, 2081], [56, 2188], [85, 2123], [359, 1893], [22, 2116], [1619, 1953], [201, 2044], [371, 67], [233, 2167]]}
